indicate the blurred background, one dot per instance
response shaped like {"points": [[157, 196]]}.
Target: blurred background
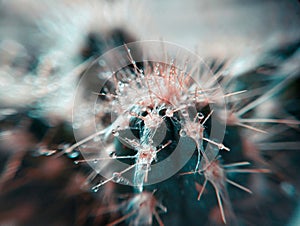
{"points": [[45, 46]]}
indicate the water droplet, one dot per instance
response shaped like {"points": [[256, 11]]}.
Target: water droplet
{"points": [[169, 113], [102, 63], [221, 146], [182, 133], [145, 167], [121, 84], [116, 177], [76, 162], [95, 189], [73, 154], [115, 133], [48, 153], [200, 116]]}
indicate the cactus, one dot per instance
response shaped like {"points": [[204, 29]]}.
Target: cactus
{"points": [[147, 133]]}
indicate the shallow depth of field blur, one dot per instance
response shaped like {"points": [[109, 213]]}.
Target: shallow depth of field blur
{"points": [[46, 47]]}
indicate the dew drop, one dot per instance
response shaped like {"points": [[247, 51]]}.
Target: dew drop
{"points": [[116, 177], [73, 154], [169, 113], [121, 84], [200, 116], [182, 133], [95, 189], [102, 63], [115, 133], [221, 146]]}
